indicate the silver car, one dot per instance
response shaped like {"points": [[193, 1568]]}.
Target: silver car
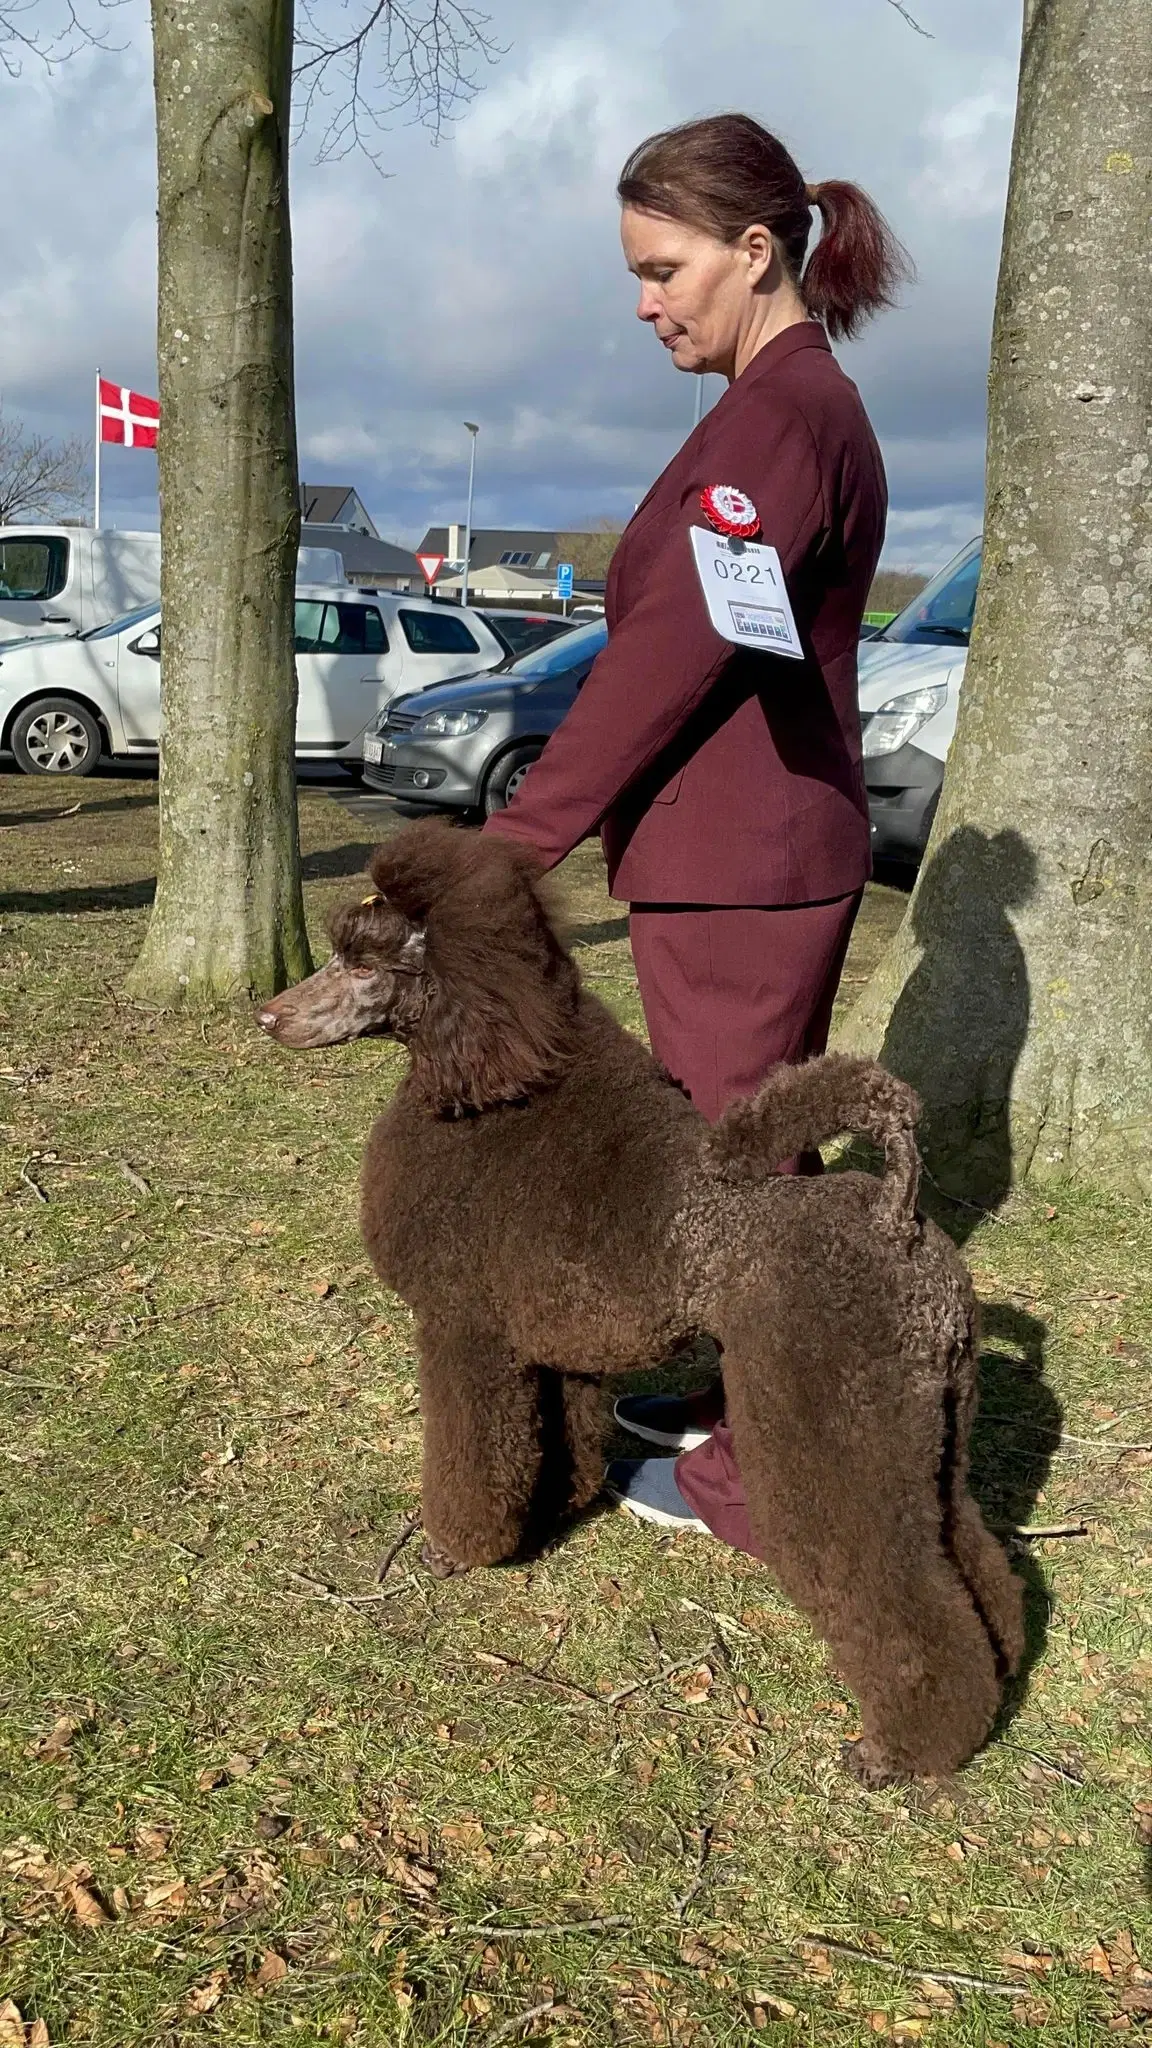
{"points": [[467, 745]]}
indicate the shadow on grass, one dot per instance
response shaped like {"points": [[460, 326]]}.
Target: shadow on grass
{"points": [[1014, 1441], [74, 902], [96, 808], [330, 864], [598, 934]]}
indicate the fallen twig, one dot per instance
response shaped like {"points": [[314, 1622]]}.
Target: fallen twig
{"points": [[1043, 1532], [521, 2020], [604, 1926], [28, 1181], [408, 1528], [680, 1906], [543, 1677], [137, 1179], [1046, 1763], [955, 1979], [321, 1590], [625, 1692]]}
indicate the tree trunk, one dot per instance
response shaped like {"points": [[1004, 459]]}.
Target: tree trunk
{"points": [[229, 916], [1018, 993]]}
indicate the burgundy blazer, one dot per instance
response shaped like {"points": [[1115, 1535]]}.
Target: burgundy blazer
{"points": [[721, 775]]}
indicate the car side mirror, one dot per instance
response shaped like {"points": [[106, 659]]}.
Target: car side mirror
{"points": [[148, 643]]}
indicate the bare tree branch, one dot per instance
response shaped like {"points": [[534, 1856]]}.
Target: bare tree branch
{"points": [[39, 478], [415, 55], [911, 19], [48, 33]]}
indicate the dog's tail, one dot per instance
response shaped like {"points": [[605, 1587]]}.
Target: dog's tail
{"points": [[800, 1108]]}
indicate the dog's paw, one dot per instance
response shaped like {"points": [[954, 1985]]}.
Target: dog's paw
{"points": [[439, 1563], [865, 1763]]}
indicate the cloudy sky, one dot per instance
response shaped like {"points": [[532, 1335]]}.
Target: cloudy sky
{"points": [[482, 278]]}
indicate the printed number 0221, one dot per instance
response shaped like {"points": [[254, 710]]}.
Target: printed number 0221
{"points": [[736, 572]]}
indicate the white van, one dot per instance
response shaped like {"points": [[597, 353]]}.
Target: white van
{"points": [[71, 579], [910, 678], [68, 702]]}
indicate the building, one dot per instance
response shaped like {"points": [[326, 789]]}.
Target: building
{"points": [[335, 505], [511, 565], [333, 516], [524, 549]]}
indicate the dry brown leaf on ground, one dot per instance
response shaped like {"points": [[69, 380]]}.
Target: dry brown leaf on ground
{"points": [[87, 1907], [694, 1686], [152, 1843], [170, 1897], [1097, 1961], [11, 2025], [209, 1779], [272, 1970], [54, 1747], [206, 1997]]}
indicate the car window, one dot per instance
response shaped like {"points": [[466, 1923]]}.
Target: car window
{"points": [[437, 632], [124, 624], [573, 650], [338, 628], [521, 635], [33, 569], [309, 619], [942, 614]]}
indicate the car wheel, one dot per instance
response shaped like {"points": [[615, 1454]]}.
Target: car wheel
{"points": [[506, 778], [56, 736]]}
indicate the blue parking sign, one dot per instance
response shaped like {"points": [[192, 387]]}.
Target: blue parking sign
{"points": [[563, 579]]}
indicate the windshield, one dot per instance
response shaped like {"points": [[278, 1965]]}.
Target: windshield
{"points": [[942, 614], [572, 650], [123, 624]]}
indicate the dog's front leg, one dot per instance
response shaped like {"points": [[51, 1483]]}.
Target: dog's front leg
{"points": [[482, 1448]]}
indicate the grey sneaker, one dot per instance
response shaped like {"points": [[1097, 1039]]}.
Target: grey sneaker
{"points": [[647, 1488], [679, 1422]]}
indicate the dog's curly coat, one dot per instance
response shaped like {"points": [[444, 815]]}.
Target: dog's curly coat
{"points": [[554, 1210]]}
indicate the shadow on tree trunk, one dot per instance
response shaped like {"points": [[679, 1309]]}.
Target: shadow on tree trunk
{"points": [[959, 1024]]}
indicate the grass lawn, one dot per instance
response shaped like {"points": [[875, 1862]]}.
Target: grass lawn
{"points": [[249, 1794]]}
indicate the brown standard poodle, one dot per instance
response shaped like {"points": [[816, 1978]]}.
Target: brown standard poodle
{"points": [[554, 1210]]}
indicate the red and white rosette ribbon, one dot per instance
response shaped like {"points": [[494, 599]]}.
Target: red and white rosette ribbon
{"points": [[730, 511]]}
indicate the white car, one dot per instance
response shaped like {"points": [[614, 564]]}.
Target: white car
{"points": [[68, 701], [910, 678]]}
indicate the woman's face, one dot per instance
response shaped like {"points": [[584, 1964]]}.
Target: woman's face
{"points": [[697, 293]]}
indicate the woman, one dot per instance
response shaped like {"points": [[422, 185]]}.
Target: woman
{"points": [[726, 781]]}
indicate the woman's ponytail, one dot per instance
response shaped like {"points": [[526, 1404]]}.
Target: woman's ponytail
{"points": [[724, 173], [856, 266]]}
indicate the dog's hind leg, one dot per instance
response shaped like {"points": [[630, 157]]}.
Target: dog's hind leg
{"points": [[482, 1448], [845, 1509], [583, 1438], [994, 1586]]}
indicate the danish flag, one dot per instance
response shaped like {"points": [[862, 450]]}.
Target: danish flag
{"points": [[127, 416]]}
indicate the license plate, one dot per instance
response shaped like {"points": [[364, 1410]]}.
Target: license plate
{"points": [[373, 750]]}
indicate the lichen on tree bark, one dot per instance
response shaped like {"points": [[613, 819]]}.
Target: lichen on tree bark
{"points": [[1018, 993], [228, 918]]}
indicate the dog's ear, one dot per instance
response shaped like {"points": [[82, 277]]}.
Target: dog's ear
{"points": [[414, 868]]}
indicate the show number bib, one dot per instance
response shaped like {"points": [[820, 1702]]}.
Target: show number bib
{"points": [[744, 590]]}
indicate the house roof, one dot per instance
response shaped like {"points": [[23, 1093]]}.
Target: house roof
{"points": [[491, 545], [363, 554], [323, 504]]}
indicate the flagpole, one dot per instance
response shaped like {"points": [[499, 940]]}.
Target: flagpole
{"points": [[96, 517]]}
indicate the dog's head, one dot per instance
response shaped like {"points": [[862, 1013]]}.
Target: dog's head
{"points": [[453, 953]]}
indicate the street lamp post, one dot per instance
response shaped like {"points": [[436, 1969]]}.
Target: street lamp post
{"points": [[699, 400], [473, 430]]}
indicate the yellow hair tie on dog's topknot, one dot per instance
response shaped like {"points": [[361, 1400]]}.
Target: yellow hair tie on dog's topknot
{"points": [[375, 897]]}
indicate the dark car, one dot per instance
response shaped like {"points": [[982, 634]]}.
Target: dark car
{"points": [[468, 745], [520, 631]]}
